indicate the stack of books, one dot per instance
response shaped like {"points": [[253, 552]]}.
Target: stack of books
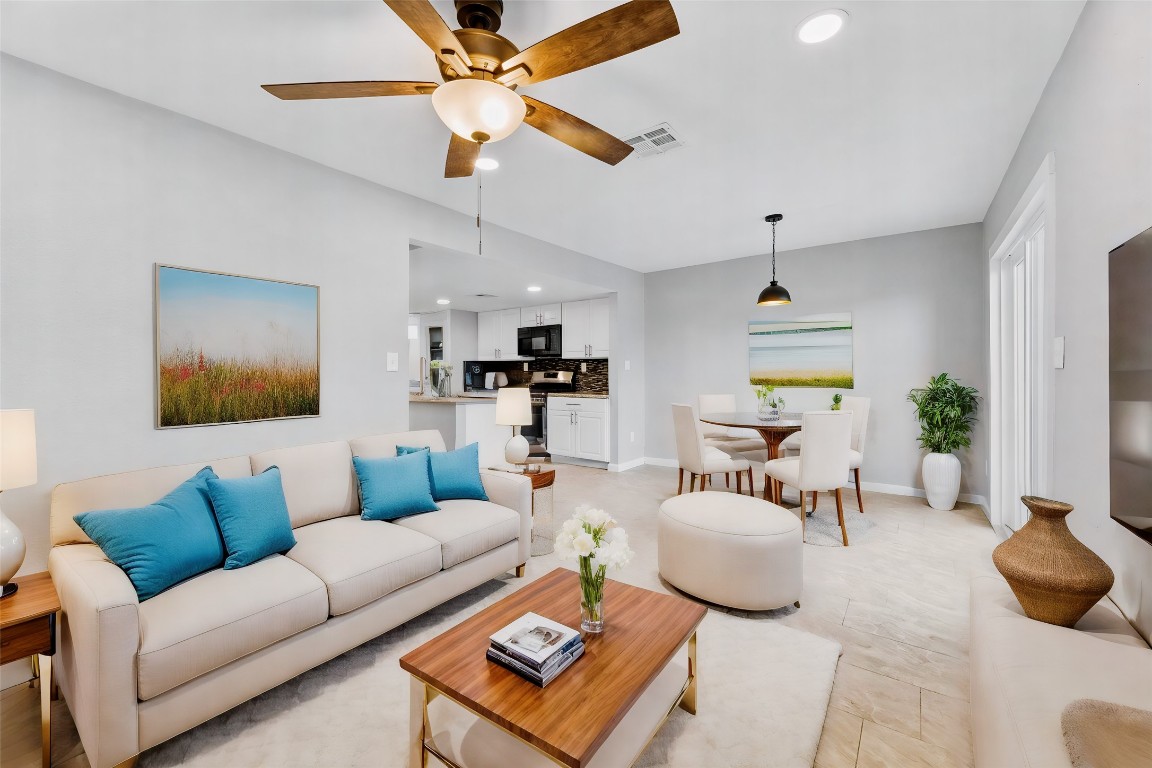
{"points": [[535, 648]]}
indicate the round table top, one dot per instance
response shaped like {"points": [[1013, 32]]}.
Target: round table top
{"points": [[750, 420]]}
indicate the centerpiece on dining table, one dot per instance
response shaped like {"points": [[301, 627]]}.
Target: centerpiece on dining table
{"points": [[769, 404], [593, 537]]}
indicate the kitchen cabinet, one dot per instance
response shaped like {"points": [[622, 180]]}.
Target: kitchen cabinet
{"points": [[544, 314], [578, 427], [496, 334], [585, 328]]}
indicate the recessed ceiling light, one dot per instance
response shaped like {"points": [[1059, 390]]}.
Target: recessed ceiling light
{"points": [[534, 288], [443, 301], [487, 163], [821, 26]]}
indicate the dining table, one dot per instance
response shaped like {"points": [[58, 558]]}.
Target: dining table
{"points": [[773, 431]]}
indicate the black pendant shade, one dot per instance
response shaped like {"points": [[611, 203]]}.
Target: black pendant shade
{"points": [[775, 293]]}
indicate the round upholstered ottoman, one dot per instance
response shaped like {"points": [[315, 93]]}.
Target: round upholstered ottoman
{"points": [[731, 550]]}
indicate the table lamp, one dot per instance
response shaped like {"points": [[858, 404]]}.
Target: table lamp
{"points": [[17, 469], [514, 409]]}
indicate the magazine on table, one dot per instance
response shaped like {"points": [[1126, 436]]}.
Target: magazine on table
{"points": [[530, 674], [533, 639], [543, 667]]}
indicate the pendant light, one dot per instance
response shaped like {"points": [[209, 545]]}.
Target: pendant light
{"points": [[775, 293]]}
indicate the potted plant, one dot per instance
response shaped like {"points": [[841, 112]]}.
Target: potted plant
{"points": [[837, 399], [946, 410], [769, 405]]}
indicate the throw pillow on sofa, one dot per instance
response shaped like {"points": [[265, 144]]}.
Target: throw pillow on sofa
{"points": [[253, 517], [164, 543], [456, 474], [394, 487]]}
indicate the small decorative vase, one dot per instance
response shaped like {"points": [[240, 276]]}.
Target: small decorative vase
{"points": [[1054, 576], [766, 412], [444, 387], [591, 596], [941, 472]]}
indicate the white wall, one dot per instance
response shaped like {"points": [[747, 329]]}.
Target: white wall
{"points": [[97, 187], [916, 311], [1096, 117]]}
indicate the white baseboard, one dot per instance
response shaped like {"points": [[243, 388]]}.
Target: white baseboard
{"points": [[627, 465], [906, 490], [579, 462], [661, 462]]}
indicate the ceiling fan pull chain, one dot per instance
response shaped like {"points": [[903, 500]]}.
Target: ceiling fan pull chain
{"points": [[479, 202]]}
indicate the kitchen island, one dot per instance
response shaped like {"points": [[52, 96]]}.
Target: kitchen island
{"points": [[462, 420]]}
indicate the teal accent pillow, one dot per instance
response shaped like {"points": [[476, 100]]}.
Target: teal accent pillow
{"points": [[404, 449], [456, 474], [253, 517], [164, 543], [394, 487]]}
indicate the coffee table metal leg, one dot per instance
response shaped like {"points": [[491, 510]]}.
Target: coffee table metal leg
{"points": [[688, 700]]}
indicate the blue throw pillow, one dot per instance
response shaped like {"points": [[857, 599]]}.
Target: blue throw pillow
{"points": [[456, 474], [253, 517], [164, 543], [394, 487], [405, 449]]}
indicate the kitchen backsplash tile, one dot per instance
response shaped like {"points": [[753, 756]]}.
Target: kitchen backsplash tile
{"points": [[595, 379]]}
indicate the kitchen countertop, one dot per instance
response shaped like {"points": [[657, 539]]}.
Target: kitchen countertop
{"points": [[451, 400], [599, 395]]}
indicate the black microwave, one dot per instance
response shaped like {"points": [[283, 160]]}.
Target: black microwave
{"points": [[538, 341]]}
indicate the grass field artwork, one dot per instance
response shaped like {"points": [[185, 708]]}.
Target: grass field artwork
{"points": [[808, 352], [232, 348]]}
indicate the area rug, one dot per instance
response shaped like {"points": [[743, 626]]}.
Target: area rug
{"points": [[823, 527], [762, 697]]}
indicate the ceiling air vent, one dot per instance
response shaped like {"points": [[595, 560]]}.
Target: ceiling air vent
{"points": [[655, 141]]}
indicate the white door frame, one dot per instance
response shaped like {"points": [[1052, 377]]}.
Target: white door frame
{"points": [[1038, 203]]}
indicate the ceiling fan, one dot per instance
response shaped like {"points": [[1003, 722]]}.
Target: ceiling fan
{"points": [[482, 69]]}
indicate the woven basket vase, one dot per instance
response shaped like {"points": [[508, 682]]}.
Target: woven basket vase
{"points": [[1055, 577]]}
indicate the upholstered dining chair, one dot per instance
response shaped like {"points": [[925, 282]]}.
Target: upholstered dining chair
{"points": [[821, 466], [727, 439], [859, 407], [699, 459]]}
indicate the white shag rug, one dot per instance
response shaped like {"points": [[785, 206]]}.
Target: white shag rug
{"points": [[763, 694]]}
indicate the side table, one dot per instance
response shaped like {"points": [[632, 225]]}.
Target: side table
{"points": [[543, 534], [28, 628]]}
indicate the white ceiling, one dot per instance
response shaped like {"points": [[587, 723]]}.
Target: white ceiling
{"points": [[440, 273], [905, 121]]}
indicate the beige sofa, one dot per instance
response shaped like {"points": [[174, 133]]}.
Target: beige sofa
{"points": [[136, 674], [1024, 673]]}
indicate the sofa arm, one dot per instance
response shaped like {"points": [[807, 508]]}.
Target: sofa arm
{"points": [[514, 491], [99, 641]]}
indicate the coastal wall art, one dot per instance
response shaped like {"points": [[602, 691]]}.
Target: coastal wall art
{"points": [[231, 348], [805, 352]]}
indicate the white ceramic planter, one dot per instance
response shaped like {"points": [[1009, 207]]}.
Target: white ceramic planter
{"points": [[941, 472]]}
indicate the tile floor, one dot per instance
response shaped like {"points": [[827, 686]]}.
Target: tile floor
{"points": [[896, 600]]}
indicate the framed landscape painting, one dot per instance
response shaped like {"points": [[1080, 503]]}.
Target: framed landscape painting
{"points": [[808, 352], [232, 348]]}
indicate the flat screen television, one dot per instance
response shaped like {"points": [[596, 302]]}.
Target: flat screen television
{"points": [[1130, 383]]}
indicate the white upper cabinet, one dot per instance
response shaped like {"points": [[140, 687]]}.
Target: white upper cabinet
{"points": [[586, 329], [496, 334], [545, 314]]}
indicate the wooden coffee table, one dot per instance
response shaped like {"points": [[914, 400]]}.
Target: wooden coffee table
{"points": [[571, 718]]}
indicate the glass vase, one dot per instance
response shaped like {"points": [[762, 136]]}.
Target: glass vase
{"points": [[766, 412], [592, 616], [591, 596]]}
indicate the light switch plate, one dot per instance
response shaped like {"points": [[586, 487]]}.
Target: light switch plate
{"points": [[1058, 352], [393, 361]]}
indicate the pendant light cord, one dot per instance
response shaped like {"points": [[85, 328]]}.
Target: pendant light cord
{"points": [[773, 251]]}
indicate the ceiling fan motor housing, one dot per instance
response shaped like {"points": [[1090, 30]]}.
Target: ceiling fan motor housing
{"points": [[479, 14], [487, 50]]}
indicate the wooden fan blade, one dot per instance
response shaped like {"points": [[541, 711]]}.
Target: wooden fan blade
{"points": [[461, 160], [575, 132], [430, 27], [351, 89], [624, 29]]}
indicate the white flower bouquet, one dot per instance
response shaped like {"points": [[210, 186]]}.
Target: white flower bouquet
{"points": [[593, 537]]}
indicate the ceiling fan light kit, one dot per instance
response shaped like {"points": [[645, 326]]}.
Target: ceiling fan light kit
{"points": [[481, 69], [775, 293]]}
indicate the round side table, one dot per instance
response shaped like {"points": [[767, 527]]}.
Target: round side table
{"points": [[543, 534]]}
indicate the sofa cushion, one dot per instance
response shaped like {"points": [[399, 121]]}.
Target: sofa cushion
{"points": [[318, 480], [221, 616], [164, 543], [253, 517], [466, 528], [363, 560], [395, 487]]}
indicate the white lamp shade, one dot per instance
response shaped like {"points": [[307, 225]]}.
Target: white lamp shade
{"points": [[514, 407], [17, 448], [470, 106]]}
